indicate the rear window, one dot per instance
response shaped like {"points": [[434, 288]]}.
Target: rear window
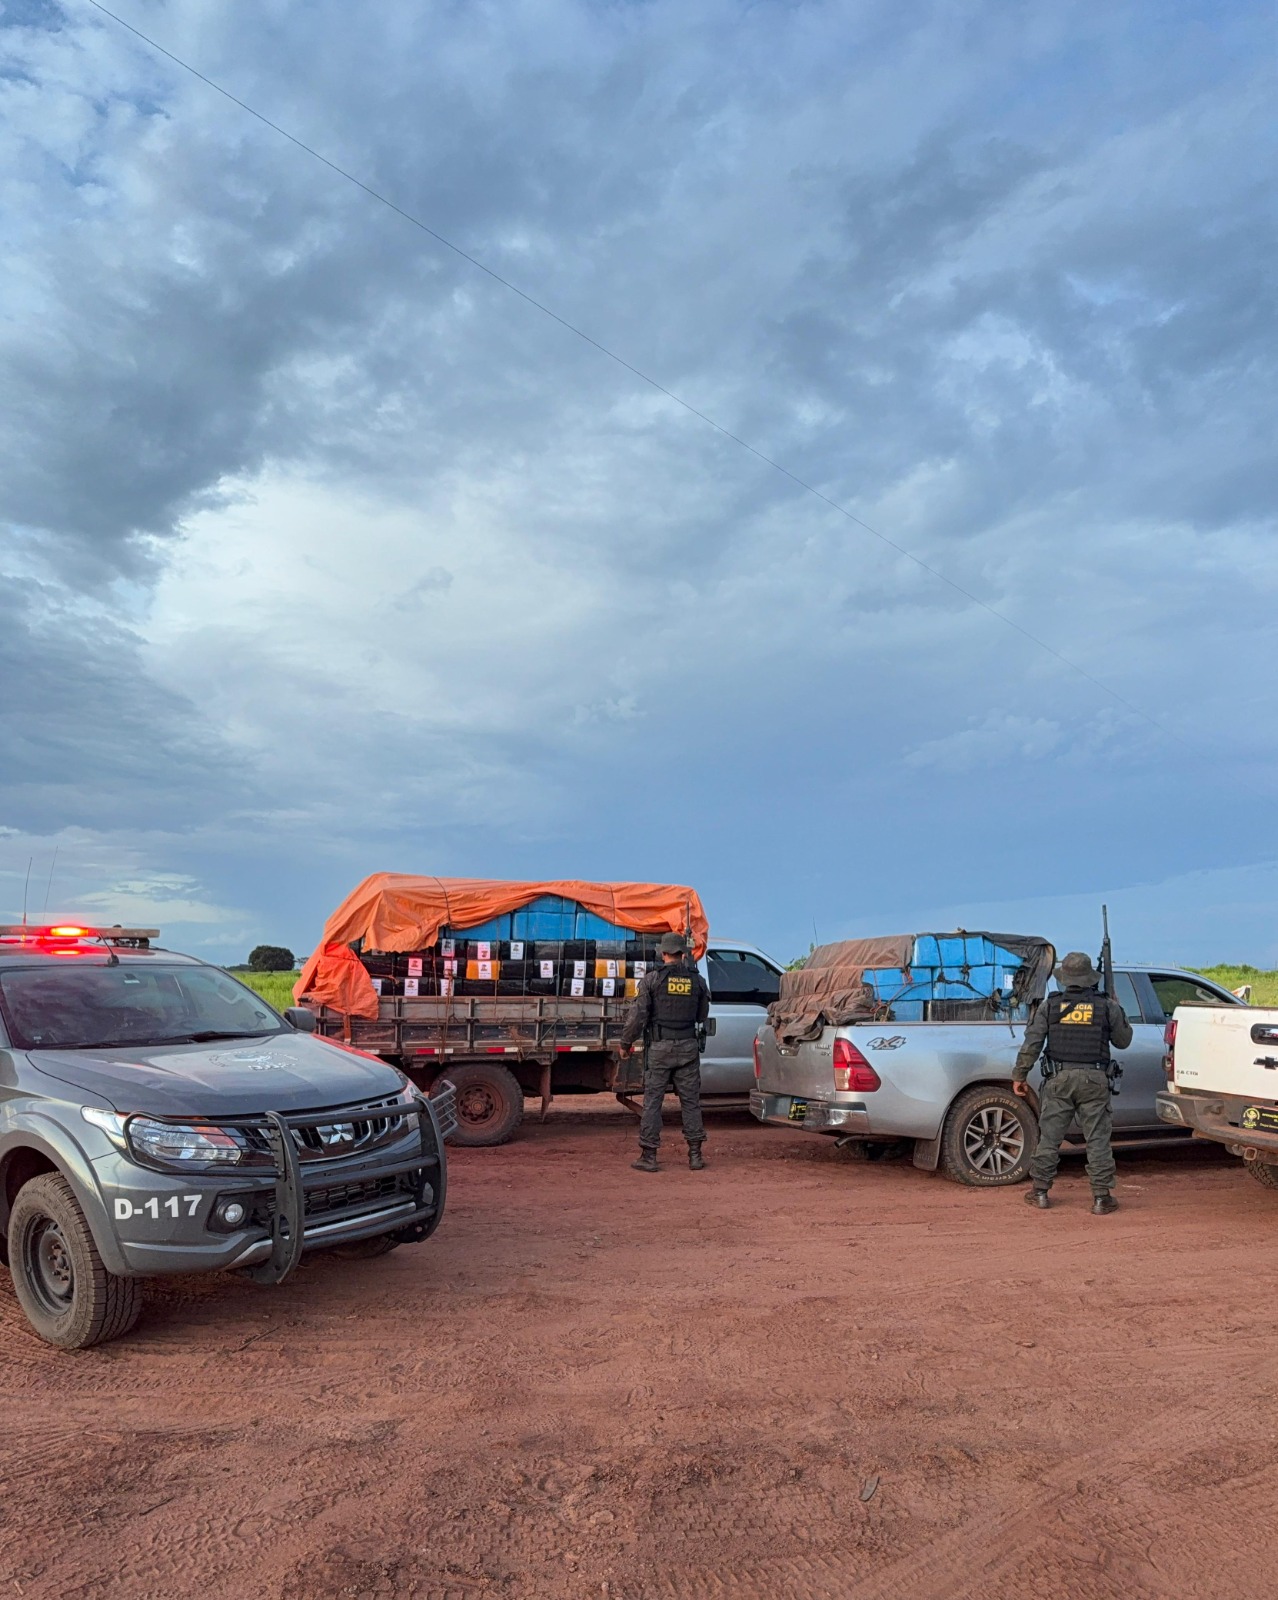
{"points": [[82, 1005], [736, 975], [1175, 990]]}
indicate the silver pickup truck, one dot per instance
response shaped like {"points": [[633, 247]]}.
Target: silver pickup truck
{"points": [[946, 1086]]}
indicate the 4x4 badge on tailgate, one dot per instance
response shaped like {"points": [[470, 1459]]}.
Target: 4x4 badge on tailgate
{"points": [[888, 1043]]}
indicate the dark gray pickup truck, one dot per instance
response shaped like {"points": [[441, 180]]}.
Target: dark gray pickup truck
{"points": [[157, 1116]]}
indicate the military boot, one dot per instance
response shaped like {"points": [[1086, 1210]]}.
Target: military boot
{"points": [[1103, 1204], [647, 1161], [695, 1159], [1038, 1197]]}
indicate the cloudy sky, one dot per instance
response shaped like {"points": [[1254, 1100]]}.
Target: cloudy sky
{"points": [[323, 553]]}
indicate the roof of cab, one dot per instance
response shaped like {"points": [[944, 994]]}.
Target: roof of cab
{"points": [[37, 955]]}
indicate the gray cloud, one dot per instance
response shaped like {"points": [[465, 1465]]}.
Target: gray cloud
{"points": [[315, 525]]}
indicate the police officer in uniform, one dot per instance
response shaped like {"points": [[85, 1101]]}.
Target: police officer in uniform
{"points": [[1073, 1030], [671, 1004]]}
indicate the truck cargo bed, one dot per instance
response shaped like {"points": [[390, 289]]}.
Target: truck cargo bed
{"points": [[533, 1027]]}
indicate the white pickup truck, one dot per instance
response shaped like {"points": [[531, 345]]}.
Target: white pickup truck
{"points": [[1223, 1067]]}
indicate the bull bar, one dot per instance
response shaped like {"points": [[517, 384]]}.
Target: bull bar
{"points": [[412, 1218]]}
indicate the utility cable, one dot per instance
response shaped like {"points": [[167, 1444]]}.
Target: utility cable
{"points": [[621, 361]]}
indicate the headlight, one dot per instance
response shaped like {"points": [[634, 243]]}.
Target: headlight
{"points": [[184, 1145]]}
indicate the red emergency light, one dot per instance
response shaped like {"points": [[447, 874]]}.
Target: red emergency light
{"points": [[68, 935]]}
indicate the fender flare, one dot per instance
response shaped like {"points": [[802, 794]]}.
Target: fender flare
{"points": [[46, 1135]]}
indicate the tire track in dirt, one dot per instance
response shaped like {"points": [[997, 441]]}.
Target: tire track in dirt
{"points": [[675, 1387]]}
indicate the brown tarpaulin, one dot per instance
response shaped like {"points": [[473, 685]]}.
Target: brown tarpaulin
{"points": [[829, 989], [396, 911]]}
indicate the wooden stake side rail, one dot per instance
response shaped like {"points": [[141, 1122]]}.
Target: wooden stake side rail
{"points": [[535, 1026]]}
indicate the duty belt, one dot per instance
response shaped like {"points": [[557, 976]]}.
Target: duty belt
{"points": [[667, 1031], [1077, 1066]]}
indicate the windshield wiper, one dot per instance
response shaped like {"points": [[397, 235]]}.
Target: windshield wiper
{"points": [[206, 1034]]}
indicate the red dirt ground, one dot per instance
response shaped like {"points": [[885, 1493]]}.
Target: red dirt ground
{"points": [[792, 1375]]}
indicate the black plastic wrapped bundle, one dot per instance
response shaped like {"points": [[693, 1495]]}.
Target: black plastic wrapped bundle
{"points": [[487, 949]]}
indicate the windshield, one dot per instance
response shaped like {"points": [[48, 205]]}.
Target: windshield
{"points": [[76, 1006]]}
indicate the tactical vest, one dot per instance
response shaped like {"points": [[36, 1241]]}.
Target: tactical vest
{"points": [[676, 1000], [1077, 1028]]}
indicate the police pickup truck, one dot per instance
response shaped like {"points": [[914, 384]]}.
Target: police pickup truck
{"points": [[157, 1116]]}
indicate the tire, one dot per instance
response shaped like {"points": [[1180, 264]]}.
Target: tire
{"points": [[989, 1138], [70, 1298], [1263, 1172], [365, 1249], [490, 1103]]}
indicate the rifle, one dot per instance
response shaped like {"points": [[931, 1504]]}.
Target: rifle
{"points": [[1107, 989]]}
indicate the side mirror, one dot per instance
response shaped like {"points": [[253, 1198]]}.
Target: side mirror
{"points": [[300, 1017], [712, 1026]]}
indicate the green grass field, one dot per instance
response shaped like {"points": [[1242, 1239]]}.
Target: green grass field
{"points": [[276, 988], [1264, 985]]}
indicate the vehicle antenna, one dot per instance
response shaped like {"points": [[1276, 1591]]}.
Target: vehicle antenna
{"points": [[25, 887], [49, 886]]}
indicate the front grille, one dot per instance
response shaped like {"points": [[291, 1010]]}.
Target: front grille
{"points": [[371, 1194], [352, 1132]]}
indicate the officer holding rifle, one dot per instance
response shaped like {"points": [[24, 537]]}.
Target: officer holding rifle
{"points": [[669, 1010], [1073, 1029]]}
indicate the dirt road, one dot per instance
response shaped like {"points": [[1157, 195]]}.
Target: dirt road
{"points": [[792, 1375]]}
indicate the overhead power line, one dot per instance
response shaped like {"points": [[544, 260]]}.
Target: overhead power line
{"points": [[612, 355]]}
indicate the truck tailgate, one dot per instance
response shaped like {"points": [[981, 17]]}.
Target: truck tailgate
{"points": [[1227, 1050], [802, 1070]]}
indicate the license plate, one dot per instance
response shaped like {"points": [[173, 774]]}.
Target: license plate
{"points": [[1264, 1117], [798, 1110]]}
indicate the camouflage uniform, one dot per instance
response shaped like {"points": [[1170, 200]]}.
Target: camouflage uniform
{"points": [[673, 1058]]}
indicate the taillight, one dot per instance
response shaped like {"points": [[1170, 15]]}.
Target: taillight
{"points": [[852, 1070], [758, 1065], [1169, 1039]]}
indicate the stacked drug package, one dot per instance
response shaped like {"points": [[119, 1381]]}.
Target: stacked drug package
{"points": [[550, 947]]}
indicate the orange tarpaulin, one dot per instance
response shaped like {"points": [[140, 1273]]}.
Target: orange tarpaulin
{"points": [[396, 911], [340, 982]]}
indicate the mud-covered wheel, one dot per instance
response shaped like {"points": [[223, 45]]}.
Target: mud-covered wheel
{"points": [[1263, 1172], [70, 1298], [989, 1138], [489, 1103], [365, 1249]]}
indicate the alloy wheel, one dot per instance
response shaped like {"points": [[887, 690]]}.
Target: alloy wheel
{"points": [[993, 1140]]}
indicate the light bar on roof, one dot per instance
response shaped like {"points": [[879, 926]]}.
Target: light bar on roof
{"points": [[76, 930]]}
